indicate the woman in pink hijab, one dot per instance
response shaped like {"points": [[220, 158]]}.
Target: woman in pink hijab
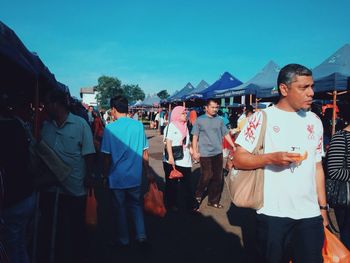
{"points": [[177, 134]]}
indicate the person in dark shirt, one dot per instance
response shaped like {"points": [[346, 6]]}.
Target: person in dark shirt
{"points": [[19, 198]]}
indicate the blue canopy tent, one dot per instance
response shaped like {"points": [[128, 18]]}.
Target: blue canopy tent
{"points": [[333, 75], [225, 82], [18, 74], [202, 85], [183, 92], [262, 85], [46, 79], [150, 101], [23, 74], [167, 100]]}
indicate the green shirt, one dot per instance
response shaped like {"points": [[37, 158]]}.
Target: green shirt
{"points": [[71, 142]]}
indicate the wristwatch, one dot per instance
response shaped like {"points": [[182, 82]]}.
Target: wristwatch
{"points": [[324, 207]]}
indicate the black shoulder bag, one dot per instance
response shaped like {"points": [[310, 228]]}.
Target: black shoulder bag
{"points": [[178, 151]]}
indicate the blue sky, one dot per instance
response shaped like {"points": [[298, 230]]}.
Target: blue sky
{"points": [[163, 44]]}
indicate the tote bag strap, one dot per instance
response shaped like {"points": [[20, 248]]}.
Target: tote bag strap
{"points": [[166, 134], [259, 148]]}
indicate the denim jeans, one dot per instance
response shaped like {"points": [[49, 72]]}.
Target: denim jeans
{"points": [[16, 219], [128, 201]]}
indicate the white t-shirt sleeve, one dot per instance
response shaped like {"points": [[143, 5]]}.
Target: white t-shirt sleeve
{"points": [[319, 149], [248, 137]]}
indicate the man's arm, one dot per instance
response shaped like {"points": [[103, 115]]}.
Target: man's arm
{"points": [[229, 139], [321, 191], [169, 144], [245, 160], [196, 154]]}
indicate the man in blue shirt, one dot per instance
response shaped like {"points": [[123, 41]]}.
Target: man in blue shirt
{"points": [[125, 150]]}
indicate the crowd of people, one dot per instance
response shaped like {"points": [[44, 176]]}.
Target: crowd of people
{"points": [[56, 171]]}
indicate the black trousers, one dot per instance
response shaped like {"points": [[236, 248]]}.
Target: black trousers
{"points": [[177, 190], [280, 239], [343, 220]]}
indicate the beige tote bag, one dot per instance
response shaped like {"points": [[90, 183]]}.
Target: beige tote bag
{"points": [[246, 187]]}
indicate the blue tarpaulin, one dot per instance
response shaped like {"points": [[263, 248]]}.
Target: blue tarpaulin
{"points": [[263, 84], [333, 73]]}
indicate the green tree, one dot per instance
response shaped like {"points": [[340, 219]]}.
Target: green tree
{"points": [[163, 94], [133, 92], [107, 88]]}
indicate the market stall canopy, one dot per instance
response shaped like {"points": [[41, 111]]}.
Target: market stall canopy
{"points": [[150, 100], [136, 104], [47, 80], [333, 73], [21, 70], [17, 68], [262, 85], [225, 82], [202, 85], [183, 92]]}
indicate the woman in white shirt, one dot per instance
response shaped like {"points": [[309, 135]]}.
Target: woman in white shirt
{"points": [[176, 134]]}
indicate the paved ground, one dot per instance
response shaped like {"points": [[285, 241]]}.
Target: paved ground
{"points": [[213, 235]]}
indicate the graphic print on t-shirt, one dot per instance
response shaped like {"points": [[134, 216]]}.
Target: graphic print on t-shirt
{"points": [[253, 123], [311, 131]]}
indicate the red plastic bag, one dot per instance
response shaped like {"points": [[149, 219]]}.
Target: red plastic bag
{"points": [[91, 209], [175, 174], [153, 201], [334, 250]]}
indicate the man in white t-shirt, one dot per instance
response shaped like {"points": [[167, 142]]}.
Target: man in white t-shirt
{"points": [[290, 223]]}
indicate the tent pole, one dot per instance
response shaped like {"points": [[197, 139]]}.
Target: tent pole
{"points": [[334, 115], [184, 104], [256, 103], [250, 99], [334, 111]]}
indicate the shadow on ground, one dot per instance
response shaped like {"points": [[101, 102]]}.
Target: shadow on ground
{"points": [[178, 237]]}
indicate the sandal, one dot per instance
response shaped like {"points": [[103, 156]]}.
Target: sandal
{"points": [[218, 206]]}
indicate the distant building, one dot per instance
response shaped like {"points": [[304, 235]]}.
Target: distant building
{"points": [[88, 96]]}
